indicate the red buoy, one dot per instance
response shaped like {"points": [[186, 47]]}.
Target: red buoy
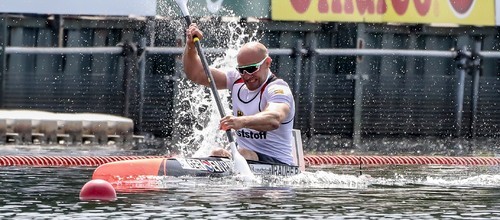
{"points": [[98, 190]]}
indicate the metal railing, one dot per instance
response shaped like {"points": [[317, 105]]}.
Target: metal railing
{"points": [[467, 61]]}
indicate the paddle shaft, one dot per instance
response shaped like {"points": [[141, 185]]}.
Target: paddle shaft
{"points": [[240, 164], [211, 81]]}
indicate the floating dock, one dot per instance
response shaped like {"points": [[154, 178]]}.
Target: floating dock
{"points": [[41, 127]]}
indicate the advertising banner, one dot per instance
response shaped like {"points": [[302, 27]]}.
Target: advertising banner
{"points": [[232, 8], [80, 7], [457, 12]]}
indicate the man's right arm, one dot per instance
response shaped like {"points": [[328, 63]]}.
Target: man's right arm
{"points": [[193, 66]]}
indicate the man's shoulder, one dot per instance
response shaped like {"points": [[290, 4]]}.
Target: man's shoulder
{"points": [[232, 77], [278, 88], [278, 84]]}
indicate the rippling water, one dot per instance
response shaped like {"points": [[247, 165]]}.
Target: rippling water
{"points": [[340, 192]]}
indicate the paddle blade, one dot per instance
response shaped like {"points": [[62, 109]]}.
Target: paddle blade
{"points": [[183, 6], [240, 163]]}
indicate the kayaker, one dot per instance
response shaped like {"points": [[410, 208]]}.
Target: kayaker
{"points": [[263, 105]]}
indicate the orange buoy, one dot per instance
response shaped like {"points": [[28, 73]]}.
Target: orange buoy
{"points": [[98, 190]]}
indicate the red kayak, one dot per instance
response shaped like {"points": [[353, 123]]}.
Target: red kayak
{"points": [[195, 167]]}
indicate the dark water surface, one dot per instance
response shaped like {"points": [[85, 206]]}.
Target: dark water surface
{"points": [[409, 192]]}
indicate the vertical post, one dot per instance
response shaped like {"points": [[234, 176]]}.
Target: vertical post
{"points": [[312, 84], [142, 81], [129, 79], [60, 30], [298, 70], [177, 80], [412, 75], [476, 73], [462, 62], [150, 31], [460, 102], [3, 54], [358, 108], [362, 68]]}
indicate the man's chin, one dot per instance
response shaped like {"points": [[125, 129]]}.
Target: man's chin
{"points": [[252, 86]]}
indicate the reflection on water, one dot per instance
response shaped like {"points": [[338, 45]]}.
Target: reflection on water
{"points": [[380, 191]]}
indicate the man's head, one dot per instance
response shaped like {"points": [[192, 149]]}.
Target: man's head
{"points": [[253, 64]]}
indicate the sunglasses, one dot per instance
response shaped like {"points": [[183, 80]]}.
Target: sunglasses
{"points": [[252, 68]]}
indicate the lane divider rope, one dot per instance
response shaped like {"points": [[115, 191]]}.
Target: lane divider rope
{"points": [[399, 160], [311, 160], [54, 161]]}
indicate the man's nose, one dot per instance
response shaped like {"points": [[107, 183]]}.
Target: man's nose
{"points": [[246, 75]]}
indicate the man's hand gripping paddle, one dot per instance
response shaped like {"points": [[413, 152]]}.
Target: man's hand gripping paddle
{"points": [[240, 164]]}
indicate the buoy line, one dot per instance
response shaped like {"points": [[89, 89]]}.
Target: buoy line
{"points": [[311, 160]]}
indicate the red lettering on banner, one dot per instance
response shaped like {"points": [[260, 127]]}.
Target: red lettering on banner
{"points": [[381, 7], [376, 6], [336, 6], [400, 6], [423, 6], [366, 5], [461, 6], [349, 7], [300, 6], [323, 6]]}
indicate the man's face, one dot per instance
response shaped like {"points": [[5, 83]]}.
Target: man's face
{"points": [[253, 71]]}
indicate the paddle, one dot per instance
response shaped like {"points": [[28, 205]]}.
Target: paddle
{"points": [[240, 164]]}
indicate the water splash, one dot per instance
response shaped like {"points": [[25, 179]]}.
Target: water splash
{"points": [[483, 180], [322, 179], [425, 178], [214, 7], [196, 115]]}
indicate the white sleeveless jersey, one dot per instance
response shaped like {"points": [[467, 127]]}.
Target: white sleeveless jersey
{"points": [[276, 143]]}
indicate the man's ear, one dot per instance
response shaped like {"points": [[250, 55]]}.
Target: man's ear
{"points": [[269, 60]]}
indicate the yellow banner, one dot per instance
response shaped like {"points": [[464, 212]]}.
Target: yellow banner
{"points": [[462, 12]]}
